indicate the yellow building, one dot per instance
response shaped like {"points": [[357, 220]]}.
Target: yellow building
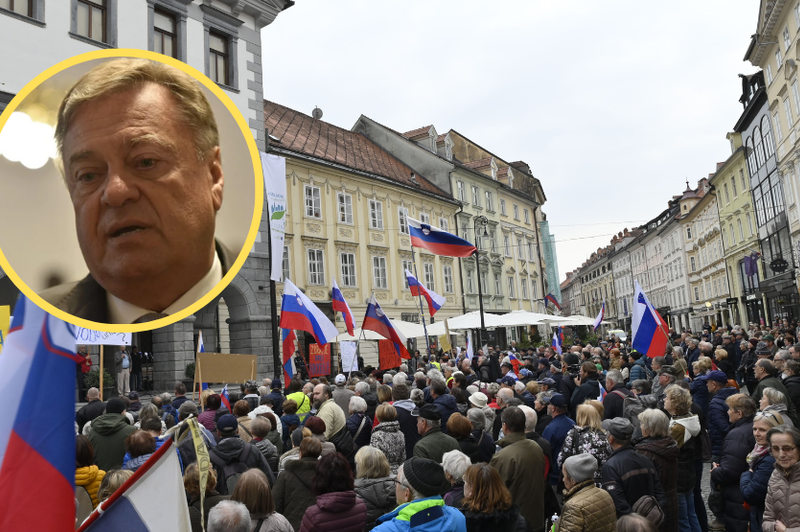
{"points": [[348, 203]]}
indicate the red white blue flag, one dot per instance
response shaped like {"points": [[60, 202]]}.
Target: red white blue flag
{"points": [[599, 319], [602, 393], [153, 499], [515, 362], [649, 334], [557, 342], [437, 241], [37, 432], [298, 312], [552, 299], [376, 320], [435, 301], [288, 350], [340, 305], [223, 395]]}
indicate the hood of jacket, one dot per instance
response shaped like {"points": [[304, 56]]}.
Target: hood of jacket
{"points": [[303, 469], [134, 463], [724, 393], [86, 475], [377, 491], [387, 426], [691, 424], [665, 447], [229, 448], [405, 404], [338, 501], [109, 424], [446, 401]]}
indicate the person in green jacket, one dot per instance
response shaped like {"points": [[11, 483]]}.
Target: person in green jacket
{"points": [[108, 435]]}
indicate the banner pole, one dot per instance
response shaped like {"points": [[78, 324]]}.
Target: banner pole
{"points": [[421, 311]]}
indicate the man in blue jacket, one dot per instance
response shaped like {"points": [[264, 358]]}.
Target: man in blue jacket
{"points": [[417, 488], [556, 431]]}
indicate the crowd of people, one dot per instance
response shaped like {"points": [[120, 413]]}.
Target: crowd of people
{"points": [[597, 438]]}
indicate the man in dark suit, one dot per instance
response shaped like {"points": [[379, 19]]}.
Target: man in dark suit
{"points": [[139, 151]]}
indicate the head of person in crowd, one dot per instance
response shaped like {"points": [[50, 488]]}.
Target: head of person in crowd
{"points": [[484, 490], [191, 481], [677, 401], [619, 430], [762, 423], [772, 397], [791, 368], [254, 492], [371, 462], [504, 395], [764, 368], [634, 522], [702, 365], [386, 413], [477, 418], [418, 478], [430, 418], [418, 397], [455, 464], [310, 447], [715, 380], [641, 387], [84, 452], [189, 408], [513, 420], [577, 469], [385, 393], [531, 418], [587, 415], [317, 427], [667, 375], [229, 516], [112, 482], [227, 426], [557, 405], [459, 426], [260, 427], [400, 392], [140, 443], [784, 441], [740, 406], [654, 423], [357, 405]]}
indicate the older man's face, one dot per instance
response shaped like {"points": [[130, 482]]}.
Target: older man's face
{"points": [[144, 204], [319, 393]]}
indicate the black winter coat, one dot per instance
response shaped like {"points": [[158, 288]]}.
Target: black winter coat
{"points": [[614, 403], [737, 445], [792, 385], [627, 475], [509, 521], [589, 389], [718, 423]]}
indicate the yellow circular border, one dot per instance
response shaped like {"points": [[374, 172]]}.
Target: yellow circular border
{"points": [[257, 207]]}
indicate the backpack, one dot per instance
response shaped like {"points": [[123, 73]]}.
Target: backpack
{"points": [[231, 471], [633, 406]]}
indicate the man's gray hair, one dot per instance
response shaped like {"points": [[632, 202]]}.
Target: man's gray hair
{"points": [[433, 423], [435, 374], [362, 387], [692, 341], [404, 368], [400, 378], [706, 346], [531, 418], [187, 408], [505, 394], [477, 417], [455, 463], [783, 354], [167, 398], [615, 376], [357, 404], [229, 516], [387, 378], [419, 375], [519, 386]]}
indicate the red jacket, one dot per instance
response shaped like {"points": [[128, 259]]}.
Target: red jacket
{"points": [[86, 364], [340, 511]]}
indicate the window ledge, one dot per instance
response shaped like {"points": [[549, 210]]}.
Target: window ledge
{"points": [[88, 40], [228, 88], [23, 18]]}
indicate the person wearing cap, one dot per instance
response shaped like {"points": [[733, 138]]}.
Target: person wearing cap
{"points": [[433, 443], [770, 341], [586, 507], [521, 463], [108, 435], [276, 396], [546, 384], [589, 387], [232, 449], [417, 488], [442, 400], [628, 475], [718, 422], [556, 431], [767, 378]]}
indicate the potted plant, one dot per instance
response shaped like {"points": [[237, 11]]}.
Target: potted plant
{"points": [[188, 372], [92, 380]]}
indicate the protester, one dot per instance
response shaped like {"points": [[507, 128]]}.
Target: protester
{"points": [[374, 484], [684, 428], [433, 442], [261, 427], [661, 448], [337, 507], [140, 446], [455, 464], [556, 431], [108, 435], [208, 417], [91, 410], [293, 490], [781, 512], [387, 436], [761, 463], [487, 503], [486, 446], [358, 423], [191, 481], [587, 508], [229, 516], [718, 422], [587, 436], [231, 449], [774, 401], [87, 475]]}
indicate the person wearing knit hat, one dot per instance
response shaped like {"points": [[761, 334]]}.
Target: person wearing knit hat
{"points": [[417, 486], [108, 435], [586, 507]]}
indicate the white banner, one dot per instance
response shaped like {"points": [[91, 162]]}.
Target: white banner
{"points": [[90, 337], [275, 186], [349, 358]]}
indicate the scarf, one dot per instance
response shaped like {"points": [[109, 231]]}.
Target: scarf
{"points": [[757, 452]]}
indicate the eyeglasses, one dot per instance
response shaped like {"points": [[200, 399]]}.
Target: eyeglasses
{"points": [[785, 450], [406, 486]]}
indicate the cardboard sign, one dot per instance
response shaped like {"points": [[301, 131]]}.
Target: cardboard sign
{"points": [[224, 367], [349, 354], [319, 360], [388, 355]]}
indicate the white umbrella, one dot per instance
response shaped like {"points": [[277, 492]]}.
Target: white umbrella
{"points": [[368, 335], [409, 329], [575, 320]]}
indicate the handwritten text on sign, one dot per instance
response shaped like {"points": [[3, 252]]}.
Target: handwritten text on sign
{"points": [[90, 337], [319, 360]]}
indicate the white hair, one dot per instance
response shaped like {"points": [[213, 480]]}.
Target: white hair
{"points": [[435, 374], [403, 368], [615, 376], [400, 378], [229, 516], [519, 386], [531, 418], [362, 387], [455, 463], [357, 404]]}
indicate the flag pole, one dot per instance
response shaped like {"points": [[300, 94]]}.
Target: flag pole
{"points": [[421, 312]]}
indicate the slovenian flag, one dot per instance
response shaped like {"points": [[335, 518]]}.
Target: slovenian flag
{"points": [[649, 335], [376, 320], [223, 395], [599, 319], [551, 298], [298, 312], [288, 338], [201, 349], [469, 353], [556, 343], [435, 301], [152, 499], [514, 362], [340, 305], [437, 241], [37, 434], [602, 393]]}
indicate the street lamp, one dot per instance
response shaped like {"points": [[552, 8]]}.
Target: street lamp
{"points": [[479, 223]]}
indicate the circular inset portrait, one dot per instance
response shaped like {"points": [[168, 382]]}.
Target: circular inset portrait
{"points": [[130, 190]]}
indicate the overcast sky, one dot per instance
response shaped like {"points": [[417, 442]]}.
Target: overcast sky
{"points": [[613, 104]]}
